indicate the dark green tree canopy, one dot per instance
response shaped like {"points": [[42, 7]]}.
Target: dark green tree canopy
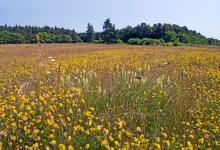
{"points": [[169, 33], [90, 33], [110, 34]]}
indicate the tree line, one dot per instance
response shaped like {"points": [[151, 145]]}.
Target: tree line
{"points": [[142, 34]]}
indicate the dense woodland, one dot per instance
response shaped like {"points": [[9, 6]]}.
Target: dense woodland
{"points": [[142, 34]]}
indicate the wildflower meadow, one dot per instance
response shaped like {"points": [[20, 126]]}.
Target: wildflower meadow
{"points": [[114, 97]]}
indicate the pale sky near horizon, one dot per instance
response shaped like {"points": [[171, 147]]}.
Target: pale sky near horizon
{"points": [[200, 15]]}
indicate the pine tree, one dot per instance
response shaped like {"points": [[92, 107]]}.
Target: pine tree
{"points": [[90, 34], [109, 32]]}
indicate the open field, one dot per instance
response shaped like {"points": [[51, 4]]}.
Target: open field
{"points": [[86, 96]]}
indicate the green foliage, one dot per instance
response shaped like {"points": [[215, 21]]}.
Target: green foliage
{"points": [[170, 36], [212, 41], [109, 32], [52, 38], [144, 41], [183, 37], [192, 39], [135, 41], [119, 41], [126, 33], [143, 30], [163, 32], [162, 41], [46, 37], [148, 41], [98, 36], [11, 38], [63, 38], [76, 38], [27, 34], [90, 33], [30, 38], [169, 33], [176, 43]]}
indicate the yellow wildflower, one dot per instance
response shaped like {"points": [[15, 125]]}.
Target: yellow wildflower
{"points": [[87, 146], [62, 147], [53, 142]]}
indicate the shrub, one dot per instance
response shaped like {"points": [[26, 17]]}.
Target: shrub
{"points": [[119, 41], [135, 41], [147, 41], [176, 43]]}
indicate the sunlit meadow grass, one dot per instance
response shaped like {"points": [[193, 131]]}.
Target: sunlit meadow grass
{"points": [[109, 97]]}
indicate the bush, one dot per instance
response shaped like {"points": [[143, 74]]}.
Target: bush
{"points": [[176, 43], [135, 41], [119, 41], [144, 41], [148, 41], [162, 41]]}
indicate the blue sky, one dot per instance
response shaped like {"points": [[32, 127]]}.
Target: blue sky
{"points": [[200, 15]]}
